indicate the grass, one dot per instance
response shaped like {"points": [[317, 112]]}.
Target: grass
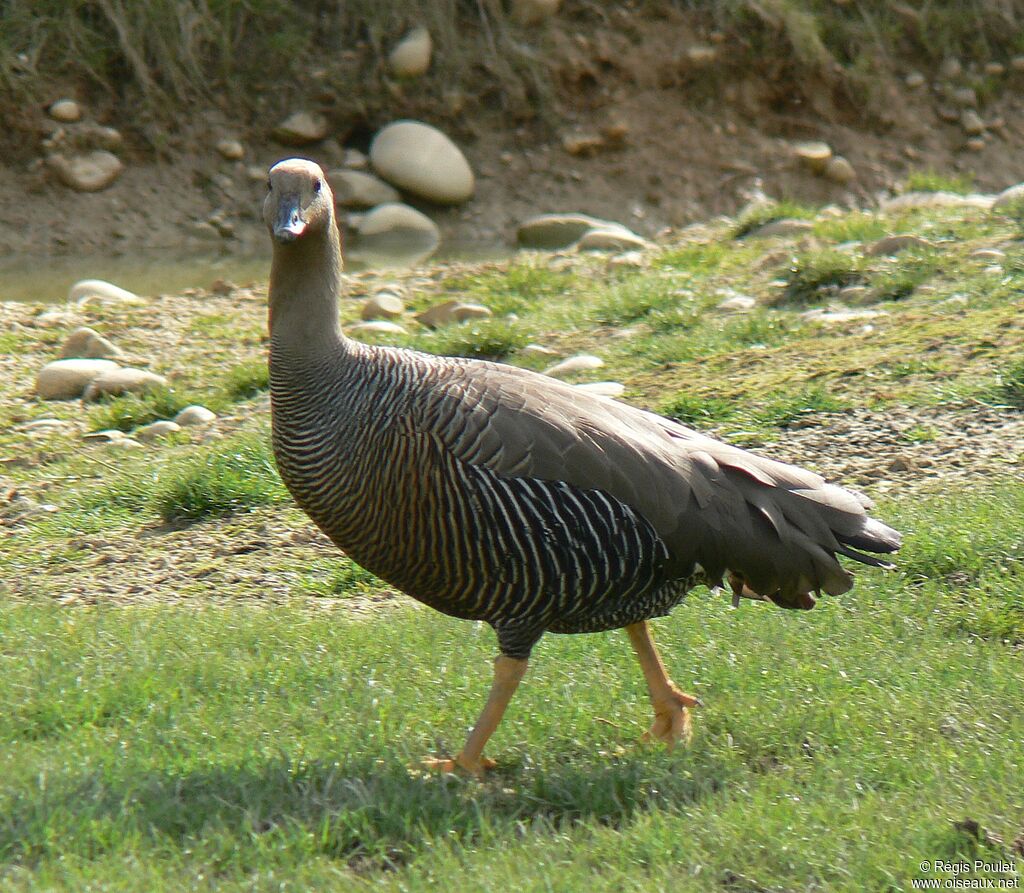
{"points": [[132, 410], [760, 214], [163, 748], [247, 380], [813, 274], [1011, 388], [934, 181]]}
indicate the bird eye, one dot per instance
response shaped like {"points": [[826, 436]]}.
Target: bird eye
{"points": [[316, 185]]}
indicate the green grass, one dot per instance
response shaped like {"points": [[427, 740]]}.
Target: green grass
{"points": [[814, 273], [758, 215], [132, 410], [163, 748], [247, 380], [930, 180], [1012, 385]]}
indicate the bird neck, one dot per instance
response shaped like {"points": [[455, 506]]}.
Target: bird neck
{"points": [[305, 282]]}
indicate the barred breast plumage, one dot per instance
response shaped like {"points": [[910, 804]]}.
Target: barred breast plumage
{"points": [[492, 493]]}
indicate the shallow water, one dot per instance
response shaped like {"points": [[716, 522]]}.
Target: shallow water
{"points": [[47, 279]]}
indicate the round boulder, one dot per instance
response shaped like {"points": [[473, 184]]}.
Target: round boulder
{"points": [[194, 415], [67, 111], [411, 56], [551, 232], [89, 172], [394, 228], [301, 128], [85, 342], [122, 381], [66, 379], [420, 159], [357, 189]]}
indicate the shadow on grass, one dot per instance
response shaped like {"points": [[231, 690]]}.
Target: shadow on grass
{"points": [[372, 816]]}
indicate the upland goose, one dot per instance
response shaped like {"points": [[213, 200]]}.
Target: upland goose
{"points": [[493, 493]]}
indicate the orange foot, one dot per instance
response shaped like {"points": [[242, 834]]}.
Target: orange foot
{"points": [[672, 718], [444, 764]]}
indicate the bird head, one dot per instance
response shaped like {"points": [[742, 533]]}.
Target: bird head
{"points": [[299, 201]]}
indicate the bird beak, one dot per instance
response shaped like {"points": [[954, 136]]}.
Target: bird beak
{"points": [[289, 224]]}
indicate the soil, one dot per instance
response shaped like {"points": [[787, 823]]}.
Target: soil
{"points": [[674, 144]]}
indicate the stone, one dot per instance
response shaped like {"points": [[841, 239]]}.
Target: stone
{"points": [[935, 200], [964, 96], [951, 68], [738, 304], [610, 389], [1009, 198], [583, 145], [994, 255], [786, 226], [45, 427], [357, 189], [194, 415], [107, 435], [231, 150], [889, 245], [1017, 63], [85, 342], [67, 379], [627, 261], [122, 381], [451, 312], [355, 160], [995, 69], [156, 430], [839, 170], [551, 232], [975, 144], [580, 363], [420, 159], [533, 12], [383, 305], [67, 111], [855, 294], [701, 55], [537, 350], [380, 326], [105, 292], [837, 315], [971, 122], [610, 239], [411, 56], [394, 228], [89, 172], [301, 128], [915, 80], [813, 155]]}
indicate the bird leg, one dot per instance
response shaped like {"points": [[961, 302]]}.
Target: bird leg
{"points": [[508, 672], [671, 706]]}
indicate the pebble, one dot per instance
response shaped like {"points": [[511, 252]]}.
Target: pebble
{"points": [[45, 426], [915, 80], [1017, 63], [451, 312], [156, 430], [579, 363], [951, 68], [964, 96], [552, 232], [819, 314], [995, 69], [975, 144], [107, 435], [98, 289], [839, 170], [122, 381], [813, 155], [533, 12], [383, 305], [55, 318], [1008, 198], [380, 326], [855, 294], [67, 111], [67, 379], [411, 56], [396, 228], [358, 189], [889, 245], [971, 122], [603, 388], [610, 239], [194, 415], [355, 160], [935, 200], [85, 342], [537, 350], [301, 128], [989, 254], [422, 160], [738, 304], [231, 150], [89, 172], [629, 260]]}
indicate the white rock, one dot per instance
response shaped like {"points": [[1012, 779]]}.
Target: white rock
{"points": [[43, 427], [551, 232], [383, 305], [301, 128], [821, 315], [914, 80], [813, 155], [420, 159], [610, 239], [97, 289], [85, 342], [935, 200], [66, 111], [122, 381], [738, 304], [381, 326], [533, 12], [452, 312], [411, 56], [628, 260], [194, 415], [357, 189], [579, 363], [89, 172], [888, 245], [397, 228], [971, 122], [156, 430], [839, 170], [107, 435], [989, 254], [67, 379], [1009, 197], [537, 350], [231, 150], [603, 388]]}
